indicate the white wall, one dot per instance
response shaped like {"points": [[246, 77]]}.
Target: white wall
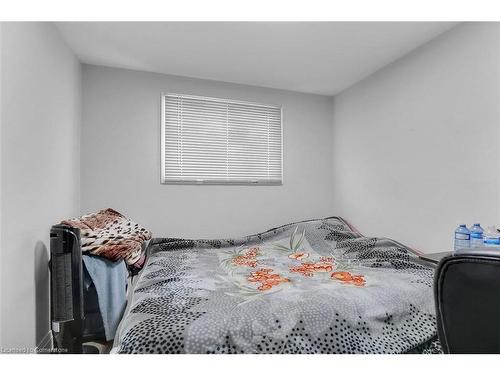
{"points": [[121, 158], [40, 117], [416, 145]]}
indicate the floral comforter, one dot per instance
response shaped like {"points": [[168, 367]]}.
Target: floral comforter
{"points": [[310, 287]]}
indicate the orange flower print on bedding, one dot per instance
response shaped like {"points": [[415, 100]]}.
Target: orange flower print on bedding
{"points": [[348, 278], [248, 259], [307, 269], [298, 256], [266, 278]]}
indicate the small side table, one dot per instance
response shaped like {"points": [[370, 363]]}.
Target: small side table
{"points": [[435, 257]]}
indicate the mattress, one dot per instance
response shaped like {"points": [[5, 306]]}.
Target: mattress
{"points": [[316, 286]]}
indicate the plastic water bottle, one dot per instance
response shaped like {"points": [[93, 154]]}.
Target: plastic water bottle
{"points": [[462, 237], [491, 237], [476, 235]]}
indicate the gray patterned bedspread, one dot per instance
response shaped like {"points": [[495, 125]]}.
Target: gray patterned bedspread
{"points": [[315, 286]]}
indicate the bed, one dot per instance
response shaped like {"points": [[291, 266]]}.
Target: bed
{"points": [[316, 286]]}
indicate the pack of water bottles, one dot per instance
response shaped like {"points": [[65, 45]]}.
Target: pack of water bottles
{"points": [[476, 237]]}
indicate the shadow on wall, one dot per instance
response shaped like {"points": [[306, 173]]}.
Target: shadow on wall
{"points": [[42, 295]]}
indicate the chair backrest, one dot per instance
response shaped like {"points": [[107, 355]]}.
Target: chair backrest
{"points": [[467, 296]]}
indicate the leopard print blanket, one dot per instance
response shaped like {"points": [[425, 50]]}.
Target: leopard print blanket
{"points": [[109, 234]]}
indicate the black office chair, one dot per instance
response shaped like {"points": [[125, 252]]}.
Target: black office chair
{"points": [[467, 296]]}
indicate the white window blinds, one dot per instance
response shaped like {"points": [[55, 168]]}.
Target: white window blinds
{"points": [[210, 140]]}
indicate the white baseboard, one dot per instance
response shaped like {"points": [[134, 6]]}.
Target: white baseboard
{"points": [[46, 344]]}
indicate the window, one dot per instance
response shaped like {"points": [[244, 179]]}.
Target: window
{"points": [[219, 141]]}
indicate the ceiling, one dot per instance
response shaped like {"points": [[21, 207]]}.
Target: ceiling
{"points": [[312, 57]]}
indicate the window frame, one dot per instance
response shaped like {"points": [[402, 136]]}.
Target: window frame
{"points": [[163, 178]]}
